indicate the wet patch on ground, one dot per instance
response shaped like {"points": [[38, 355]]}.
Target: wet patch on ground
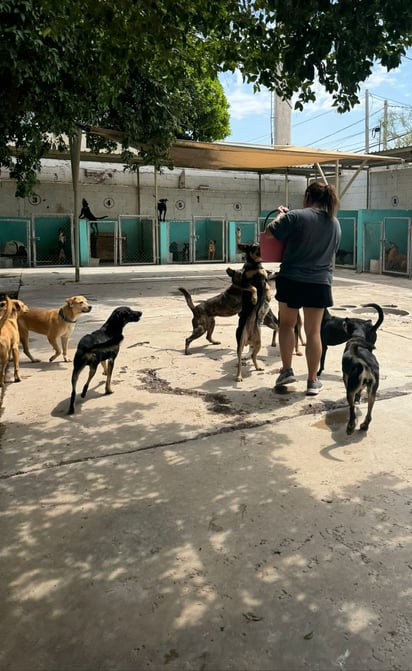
{"points": [[218, 402]]}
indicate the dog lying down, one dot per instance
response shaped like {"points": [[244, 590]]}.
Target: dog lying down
{"points": [[101, 346], [360, 371]]}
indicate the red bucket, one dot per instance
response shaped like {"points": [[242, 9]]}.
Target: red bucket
{"points": [[271, 249]]}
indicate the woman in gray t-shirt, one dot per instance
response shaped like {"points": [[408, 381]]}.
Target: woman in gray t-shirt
{"points": [[312, 236]]}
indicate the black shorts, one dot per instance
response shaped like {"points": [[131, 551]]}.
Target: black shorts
{"points": [[303, 294]]}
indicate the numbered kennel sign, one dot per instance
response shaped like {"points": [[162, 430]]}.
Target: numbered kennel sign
{"points": [[271, 249]]}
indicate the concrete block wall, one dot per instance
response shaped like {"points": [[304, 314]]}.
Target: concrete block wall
{"points": [[111, 191], [390, 188]]}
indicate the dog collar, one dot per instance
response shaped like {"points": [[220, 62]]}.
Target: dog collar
{"points": [[62, 316]]}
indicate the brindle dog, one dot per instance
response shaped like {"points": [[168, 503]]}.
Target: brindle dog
{"points": [[226, 304]]}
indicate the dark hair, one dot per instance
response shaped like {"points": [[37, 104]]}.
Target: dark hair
{"points": [[323, 194]]}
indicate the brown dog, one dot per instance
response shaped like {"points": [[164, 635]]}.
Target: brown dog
{"points": [[255, 306], [54, 323], [395, 260], [211, 250], [226, 304], [251, 269], [9, 336]]}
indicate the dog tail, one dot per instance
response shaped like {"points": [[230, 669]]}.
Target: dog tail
{"points": [[188, 298], [7, 312], [380, 314]]}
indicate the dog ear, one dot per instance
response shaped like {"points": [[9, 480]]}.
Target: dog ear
{"points": [[242, 247], [18, 306]]}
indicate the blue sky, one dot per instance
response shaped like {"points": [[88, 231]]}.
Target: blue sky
{"points": [[319, 125]]}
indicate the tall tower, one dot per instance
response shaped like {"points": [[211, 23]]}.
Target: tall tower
{"points": [[282, 112]]}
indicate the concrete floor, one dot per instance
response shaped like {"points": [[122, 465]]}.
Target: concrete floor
{"points": [[192, 522]]}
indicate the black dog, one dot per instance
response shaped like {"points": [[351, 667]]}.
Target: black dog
{"points": [[86, 213], [162, 208], [360, 370], [101, 346], [337, 330]]}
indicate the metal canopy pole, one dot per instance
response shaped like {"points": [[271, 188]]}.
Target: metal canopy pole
{"points": [[75, 143], [352, 179], [321, 173]]}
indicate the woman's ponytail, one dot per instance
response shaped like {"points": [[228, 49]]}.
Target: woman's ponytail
{"points": [[323, 194]]}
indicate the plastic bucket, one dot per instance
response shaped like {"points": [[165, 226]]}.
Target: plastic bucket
{"points": [[271, 249]]}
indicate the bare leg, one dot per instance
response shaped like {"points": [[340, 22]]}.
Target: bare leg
{"points": [[312, 322], [287, 320]]}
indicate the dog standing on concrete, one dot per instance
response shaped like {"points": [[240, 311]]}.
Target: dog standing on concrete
{"points": [[86, 213], [9, 336], [162, 209], [54, 323], [226, 304], [101, 346], [360, 371], [256, 297], [337, 330]]}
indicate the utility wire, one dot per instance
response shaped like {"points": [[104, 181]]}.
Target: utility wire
{"points": [[342, 129]]}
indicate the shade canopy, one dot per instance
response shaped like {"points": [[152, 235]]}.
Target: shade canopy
{"points": [[225, 156], [255, 158]]}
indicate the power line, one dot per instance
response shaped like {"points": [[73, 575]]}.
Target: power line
{"points": [[342, 129], [318, 116], [373, 95]]}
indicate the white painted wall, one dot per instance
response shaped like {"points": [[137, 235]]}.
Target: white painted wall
{"points": [[391, 185], [231, 195]]}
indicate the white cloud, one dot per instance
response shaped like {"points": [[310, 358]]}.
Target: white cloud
{"points": [[243, 101]]}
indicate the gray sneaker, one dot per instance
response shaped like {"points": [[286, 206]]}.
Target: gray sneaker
{"points": [[314, 387], [286, 376]]}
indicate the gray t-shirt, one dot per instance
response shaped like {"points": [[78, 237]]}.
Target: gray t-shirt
{"points": [[311, 239]]}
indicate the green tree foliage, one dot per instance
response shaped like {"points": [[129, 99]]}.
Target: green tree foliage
{"points": [[95, 62], [149, 67]]}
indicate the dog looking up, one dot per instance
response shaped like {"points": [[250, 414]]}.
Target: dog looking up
{"points": [[337, 330], [9, 336], [226, 304], [360, 371], [101, 346], [54, 323], [256, 297], [251, 269]]}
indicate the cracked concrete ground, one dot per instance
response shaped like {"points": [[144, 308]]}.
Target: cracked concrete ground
{"points": [[192, 521]]}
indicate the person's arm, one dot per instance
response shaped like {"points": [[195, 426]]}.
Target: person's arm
{"points": [[282, 209]]}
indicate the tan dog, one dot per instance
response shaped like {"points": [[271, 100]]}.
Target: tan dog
{"points": [[211, 250], [395, 260], [54, 323], [9, 336]]}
